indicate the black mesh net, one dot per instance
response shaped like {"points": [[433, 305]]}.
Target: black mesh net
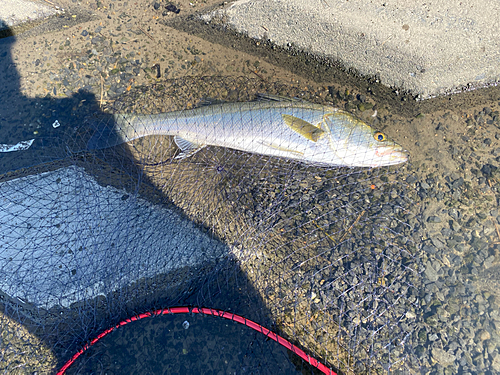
{"points": [[321, 255]]}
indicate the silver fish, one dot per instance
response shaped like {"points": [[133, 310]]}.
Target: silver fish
{"points": [[275, 126]]}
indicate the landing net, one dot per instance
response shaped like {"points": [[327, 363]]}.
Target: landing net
{"points": [[322, 255]]}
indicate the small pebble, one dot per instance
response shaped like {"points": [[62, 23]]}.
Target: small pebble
{"points": [[424, 185], [172, 8], [488, 170], [411, 179], [431, 273], [433, 337], [434, 219], [442, 357]]}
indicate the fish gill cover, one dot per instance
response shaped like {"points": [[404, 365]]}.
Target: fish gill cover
{"points": [[322, 254]]}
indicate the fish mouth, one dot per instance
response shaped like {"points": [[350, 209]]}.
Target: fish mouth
{"points": [[401, 156], [393, 155]]}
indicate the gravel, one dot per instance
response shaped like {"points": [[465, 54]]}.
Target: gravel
{"points": [[402, 276], [434, 290]]}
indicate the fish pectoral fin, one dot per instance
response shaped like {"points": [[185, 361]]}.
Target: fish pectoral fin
{"points": [[187, 148], [304, 128], [281, 148]]}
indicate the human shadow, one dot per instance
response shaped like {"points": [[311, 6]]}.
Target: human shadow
{"points": [[51, 123], [60, 130]]}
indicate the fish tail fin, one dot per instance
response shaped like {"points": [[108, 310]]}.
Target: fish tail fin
{"points": [[120, 129]]}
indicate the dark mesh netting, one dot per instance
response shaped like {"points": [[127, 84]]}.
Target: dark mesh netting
{"points": [[321, 255]]}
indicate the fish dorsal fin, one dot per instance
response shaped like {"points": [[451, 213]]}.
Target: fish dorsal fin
{"points": [[205, 102], [187, 148], [304, 128], [276, 98]]}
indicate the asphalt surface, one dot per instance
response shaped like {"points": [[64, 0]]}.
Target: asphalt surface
{"points": [[14, 13], [424, 48]]}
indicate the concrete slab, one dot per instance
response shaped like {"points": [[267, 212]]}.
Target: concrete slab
{"points": [[425, 48], [60, 231], [16, 12]]}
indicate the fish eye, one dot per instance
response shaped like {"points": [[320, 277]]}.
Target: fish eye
{"points": [[379, 136]]}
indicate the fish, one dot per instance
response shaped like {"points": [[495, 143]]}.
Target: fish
{"points": [[274, 126]]}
